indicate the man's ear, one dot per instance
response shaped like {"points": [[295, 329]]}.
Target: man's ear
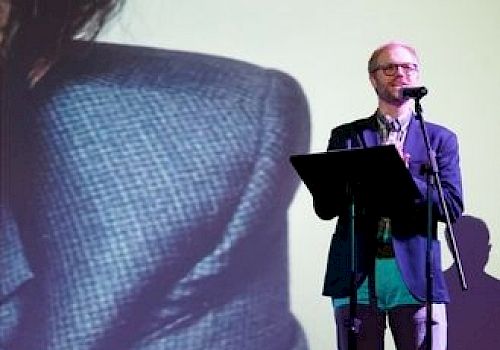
{"points": [[373, 81]]}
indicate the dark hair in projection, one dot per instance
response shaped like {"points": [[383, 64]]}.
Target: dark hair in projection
{"points": [[43, 29]]}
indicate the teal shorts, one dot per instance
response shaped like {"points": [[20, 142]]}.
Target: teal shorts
{"points": [[390, 289]]}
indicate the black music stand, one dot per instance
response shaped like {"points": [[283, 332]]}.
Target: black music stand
{"points": [[375, 178]]}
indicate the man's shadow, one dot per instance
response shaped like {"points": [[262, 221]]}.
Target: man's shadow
{"points": [[473, 315]]}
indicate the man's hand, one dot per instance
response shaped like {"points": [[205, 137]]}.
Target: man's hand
{"points": [[404, 156]]}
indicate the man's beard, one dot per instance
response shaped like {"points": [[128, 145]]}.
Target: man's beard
{"points": [[390, 98]]}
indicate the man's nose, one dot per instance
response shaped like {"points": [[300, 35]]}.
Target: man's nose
{"points": [[400, 71]]}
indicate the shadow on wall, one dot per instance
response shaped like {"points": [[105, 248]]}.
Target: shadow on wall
{"points": [[473, 314]]}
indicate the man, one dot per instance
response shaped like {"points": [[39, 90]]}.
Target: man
{"points": [[391, 250], [144, 192]]}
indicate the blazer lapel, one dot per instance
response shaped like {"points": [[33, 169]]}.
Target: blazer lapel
{"points": [[413, 141], [370, 132]]}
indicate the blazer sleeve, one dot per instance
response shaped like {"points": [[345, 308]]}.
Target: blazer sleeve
{"points": [[447, 159]]}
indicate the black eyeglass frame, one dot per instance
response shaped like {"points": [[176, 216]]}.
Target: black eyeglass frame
{"points": [[391, 69]]}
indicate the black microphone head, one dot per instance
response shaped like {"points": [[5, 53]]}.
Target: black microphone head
{"points": [[413, 92]]}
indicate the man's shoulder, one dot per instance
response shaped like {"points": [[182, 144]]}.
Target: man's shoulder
{"points": [[440, 133], [438, 129], [357, 124]]}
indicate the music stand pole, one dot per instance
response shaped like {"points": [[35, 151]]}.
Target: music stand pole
{"points": [[353, 322]]}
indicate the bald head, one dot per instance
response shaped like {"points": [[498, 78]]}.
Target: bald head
{"points": [[373, 61]]}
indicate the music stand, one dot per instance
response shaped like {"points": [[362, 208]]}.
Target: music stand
{"points": [[375, 178]]}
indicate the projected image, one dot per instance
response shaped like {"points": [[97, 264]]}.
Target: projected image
{"points": [[144, 191]]}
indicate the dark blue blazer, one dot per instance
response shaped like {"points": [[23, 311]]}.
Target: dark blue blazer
{"points": [[144, 203], [409, 225]]}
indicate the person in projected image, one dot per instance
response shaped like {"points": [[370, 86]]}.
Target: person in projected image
{"points": [[144, 192], [391, 284]]}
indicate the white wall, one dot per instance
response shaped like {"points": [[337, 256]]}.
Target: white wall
{"points": [[325, 44]]}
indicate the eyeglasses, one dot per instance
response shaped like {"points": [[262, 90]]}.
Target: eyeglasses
{"points": [[391, 69]]}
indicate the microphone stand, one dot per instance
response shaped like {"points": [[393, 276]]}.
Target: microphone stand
{"points": [[433, 179]]}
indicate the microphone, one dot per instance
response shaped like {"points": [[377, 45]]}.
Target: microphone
{"points": [[416, 92]]}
